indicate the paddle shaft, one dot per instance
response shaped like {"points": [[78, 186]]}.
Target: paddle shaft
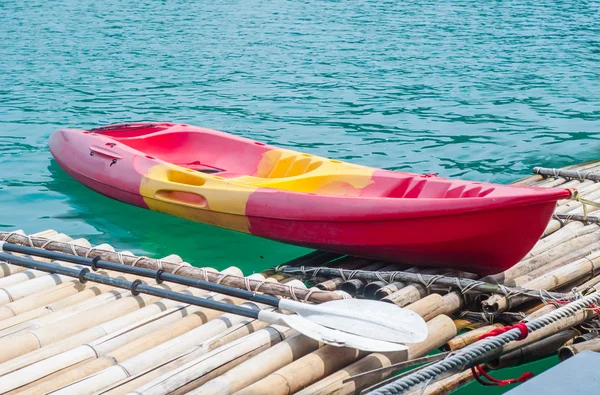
{"points": [[159, 275], [136, 286]]}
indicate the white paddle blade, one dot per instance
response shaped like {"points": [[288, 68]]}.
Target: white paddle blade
{"points": [[339, 338], [366, 318]]}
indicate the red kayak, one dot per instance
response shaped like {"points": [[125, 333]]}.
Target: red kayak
{"points": [[297, 198]]}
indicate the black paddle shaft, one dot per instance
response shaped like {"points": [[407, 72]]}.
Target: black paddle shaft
{"points": [[136, 286], [160, 275]]}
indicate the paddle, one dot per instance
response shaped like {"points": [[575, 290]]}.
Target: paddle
{"points": [[350, 320]]}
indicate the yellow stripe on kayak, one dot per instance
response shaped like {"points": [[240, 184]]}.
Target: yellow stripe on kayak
{"points": [[292, 171], [186, 193], [218, 201]]}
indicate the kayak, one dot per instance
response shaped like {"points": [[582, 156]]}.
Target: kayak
{"points": [[232, 182]]}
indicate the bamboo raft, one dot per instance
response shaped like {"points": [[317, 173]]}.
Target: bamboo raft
{"points": [[61, 336]]}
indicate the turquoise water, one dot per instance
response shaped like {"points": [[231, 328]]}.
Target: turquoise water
{"points": [[477, 90]]}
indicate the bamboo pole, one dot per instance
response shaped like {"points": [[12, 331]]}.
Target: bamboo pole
{"points": [[469, 337], [537, 178], [570, 350], [407, 295], [435, 304], [304, 371], [316, 296], [441, 329], [534, 351], [25, 342], [199, 371], [259, 367]]}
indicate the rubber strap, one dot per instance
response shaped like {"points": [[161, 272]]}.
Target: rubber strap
{"points": [[82, 274], [94, 263], [478, 371], [134, 285]]}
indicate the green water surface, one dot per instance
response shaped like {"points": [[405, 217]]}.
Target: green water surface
{"points": [[476, 90]]}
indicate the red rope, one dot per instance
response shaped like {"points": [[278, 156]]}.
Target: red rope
{"points": [[478, 371]]}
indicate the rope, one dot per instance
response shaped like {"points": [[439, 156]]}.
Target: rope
{"points": [[576, 195], [479, 350]]}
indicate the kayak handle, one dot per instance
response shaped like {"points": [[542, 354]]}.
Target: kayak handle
{"points": [[184, 198], [95, 150]]}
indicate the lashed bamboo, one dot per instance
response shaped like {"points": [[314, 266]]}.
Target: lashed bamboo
{"points": [[90, 296], [554, 257], [441, 329], [407, 295], [566, 173], [152, 363], [26, 341], [60, 336], [396, 285], [356, 286], [105, 352], [540, 312], [576, 217], [537, 178], [199, 371], [20, 290], [43, 298], [72, 305], [171, 346], [13, 274], [570, 350], [260, 366], [579, 269], [173, 320], [330, 285], [566, 233], [317, 296], [581, 247], [435, 304], [372, 288]]}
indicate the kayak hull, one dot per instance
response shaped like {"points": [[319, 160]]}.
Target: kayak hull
{"points": [[239, 184]]}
